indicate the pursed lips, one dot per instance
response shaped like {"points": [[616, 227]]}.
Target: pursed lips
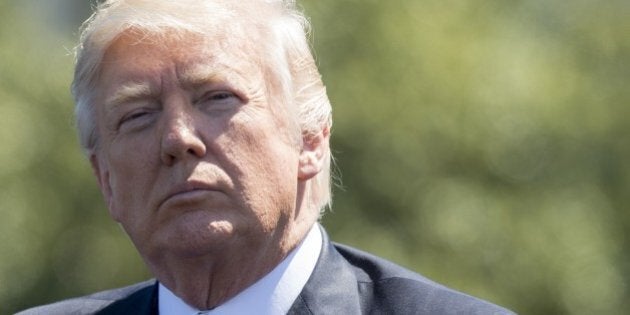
{"points": [[187, 190]]}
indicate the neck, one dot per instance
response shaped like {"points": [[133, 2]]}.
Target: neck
{"points": [[208, 281]]}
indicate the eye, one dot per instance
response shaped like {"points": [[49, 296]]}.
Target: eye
{"points": [[218, 100], [135, 119], [217, 96], [133, 116], [221, 95]]}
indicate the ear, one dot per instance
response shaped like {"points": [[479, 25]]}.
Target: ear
{"points": [[101, 172], [313, 154]]}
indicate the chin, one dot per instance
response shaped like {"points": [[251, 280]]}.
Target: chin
{"points": [[191, 237]]}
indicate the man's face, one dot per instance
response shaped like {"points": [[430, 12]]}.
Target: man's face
{"points": [[193, 156]]}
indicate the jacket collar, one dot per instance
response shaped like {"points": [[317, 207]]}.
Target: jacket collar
{"points": [[141, 302], [332, 287]]}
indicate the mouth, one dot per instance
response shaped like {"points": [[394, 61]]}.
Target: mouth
{"points": [[188, 192]]}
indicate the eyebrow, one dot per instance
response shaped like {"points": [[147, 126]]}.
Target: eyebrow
{"points": [[199, 75], [129, 92]]}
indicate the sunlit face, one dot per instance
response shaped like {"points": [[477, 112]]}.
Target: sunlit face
{"points": [[193, 156]]}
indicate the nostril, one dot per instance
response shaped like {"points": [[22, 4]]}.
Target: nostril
{"points": [[196, 147], [167, 159], [182, 143]]}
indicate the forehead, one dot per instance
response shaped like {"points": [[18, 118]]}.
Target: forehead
{"points": [[187, 59], [147, 51]]}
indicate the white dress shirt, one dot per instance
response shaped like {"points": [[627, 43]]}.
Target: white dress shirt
{"points": [[272, 294]]}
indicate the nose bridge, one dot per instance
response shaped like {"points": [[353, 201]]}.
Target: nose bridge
{"points": [[180, 135], [178, 122]]}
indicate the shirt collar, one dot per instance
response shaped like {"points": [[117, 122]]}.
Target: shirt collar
{"points": [[272, 294]]}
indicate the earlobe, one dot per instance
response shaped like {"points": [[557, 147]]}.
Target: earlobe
{"points": [[313, 154]]}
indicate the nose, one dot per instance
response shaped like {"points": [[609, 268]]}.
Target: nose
{"points": [[180, 137]]}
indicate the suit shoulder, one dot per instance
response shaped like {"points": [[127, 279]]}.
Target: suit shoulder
{"points": [[388, 288], [89, 304]]}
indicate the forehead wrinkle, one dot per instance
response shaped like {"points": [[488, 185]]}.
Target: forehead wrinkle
{"points": [[200, 74]]}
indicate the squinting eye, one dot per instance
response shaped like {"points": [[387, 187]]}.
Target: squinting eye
{"points": [[218, 100], [132, 116], [135, 119], [220, 95]]}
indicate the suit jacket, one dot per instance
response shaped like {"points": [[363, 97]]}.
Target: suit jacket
{"points": [[344, 281]]}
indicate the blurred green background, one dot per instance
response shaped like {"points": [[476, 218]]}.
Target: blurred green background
{"points": [[483, 143]]}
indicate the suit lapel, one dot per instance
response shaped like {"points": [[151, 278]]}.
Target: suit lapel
{"points": [[141, 302], [332, 287]]}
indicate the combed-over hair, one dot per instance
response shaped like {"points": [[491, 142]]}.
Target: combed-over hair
{"points": [[278, 29]]}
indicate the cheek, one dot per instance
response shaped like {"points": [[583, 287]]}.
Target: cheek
{"points": [[130, 167], [263, 147], [133, 153], [124, 171], [264, 163]]}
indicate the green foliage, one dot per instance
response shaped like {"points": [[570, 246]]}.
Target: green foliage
{"points": [[484, 144]]}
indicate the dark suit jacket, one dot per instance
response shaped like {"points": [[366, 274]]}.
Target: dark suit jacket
{"points": [[345, 281]]}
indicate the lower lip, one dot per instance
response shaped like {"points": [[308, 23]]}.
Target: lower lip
{"points": [[190, 197]]}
